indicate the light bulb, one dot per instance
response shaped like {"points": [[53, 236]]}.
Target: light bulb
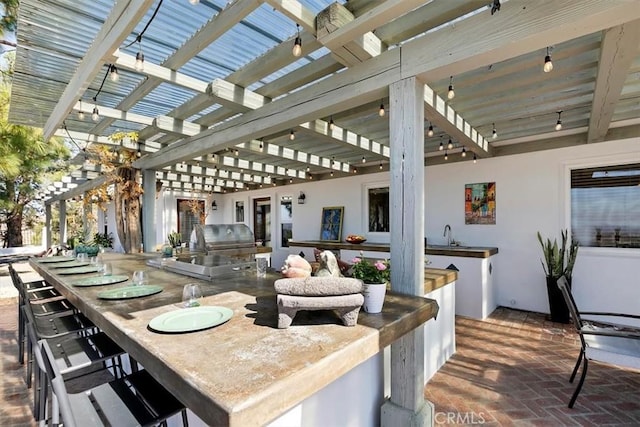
{"points": [[464, 152], [331, 124], [81, 115], [548, 65], [430, 131], [441, 147], [381, 110], [449, 144], [113, 74], [446, 156], [292, 136], [451, 94], [559, 124], [364, 160], [297, 47], [475, 159], [494, 133], [380, 166], [139, 66], [95, 116], [194, 1]]}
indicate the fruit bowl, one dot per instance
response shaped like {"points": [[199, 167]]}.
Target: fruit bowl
{"points": [[355, 238]]}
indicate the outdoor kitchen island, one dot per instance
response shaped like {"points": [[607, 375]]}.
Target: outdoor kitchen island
{"points": [[247, 372]]}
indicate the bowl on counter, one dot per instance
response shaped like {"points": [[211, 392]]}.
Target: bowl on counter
{"points": [[355, 239]]}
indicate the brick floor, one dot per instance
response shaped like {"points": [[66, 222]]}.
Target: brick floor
{"points": [[513, 370], [510, 370]]}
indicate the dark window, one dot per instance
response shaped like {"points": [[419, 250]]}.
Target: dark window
{"points": [[605, 206]]}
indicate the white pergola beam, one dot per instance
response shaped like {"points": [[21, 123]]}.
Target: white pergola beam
{"points": [[297, 12], [618, 50], [234, 96], [122, 20]]}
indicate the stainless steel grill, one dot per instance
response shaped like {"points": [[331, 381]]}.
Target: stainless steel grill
{"points": [[222, 250]]}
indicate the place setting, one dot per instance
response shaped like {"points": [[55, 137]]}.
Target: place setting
{"points": [[192, 316], [55, 259], [139, 288]]}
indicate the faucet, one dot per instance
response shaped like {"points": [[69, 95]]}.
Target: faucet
{"points": [[447, 234]]}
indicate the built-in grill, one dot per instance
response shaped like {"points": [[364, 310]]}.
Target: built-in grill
{"points": [[221, 250]]}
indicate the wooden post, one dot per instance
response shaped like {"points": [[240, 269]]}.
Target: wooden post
{"points": [[149, 240], [63, 221], [47, 225], [407, 406]]}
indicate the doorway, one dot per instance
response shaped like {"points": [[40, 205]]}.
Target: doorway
{"points": [[262, 220]]}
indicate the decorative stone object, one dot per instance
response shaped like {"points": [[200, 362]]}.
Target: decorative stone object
{"points": [[318, 293], [328, 265], [296, 266]]}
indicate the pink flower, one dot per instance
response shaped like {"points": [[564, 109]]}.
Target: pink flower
{"points": [[380, 266], [355, 260]]}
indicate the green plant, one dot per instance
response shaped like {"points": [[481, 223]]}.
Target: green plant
{"points": [[103, 239], [378, 272], [558, 260], [175, 239]]}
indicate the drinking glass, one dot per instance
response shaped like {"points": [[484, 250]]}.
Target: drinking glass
{"points": [[191, 294], [140, 277], [261, 267], [106, 269]]}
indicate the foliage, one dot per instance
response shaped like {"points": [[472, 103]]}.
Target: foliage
{"points": [[120, 136], [26, 162], [103, 239], [8, 20], [175, 239], [378, 272], [558, 259]]}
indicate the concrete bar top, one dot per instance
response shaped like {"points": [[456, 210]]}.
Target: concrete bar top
{"points": [[246, 371], [460, 251]]}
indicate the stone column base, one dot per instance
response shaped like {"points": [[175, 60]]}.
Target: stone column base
{"points": [[393, 415]]}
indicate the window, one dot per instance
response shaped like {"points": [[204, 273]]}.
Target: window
{"points": [[286, 220], [189, 214], [377, 208], [605, 206], [262, 220]]}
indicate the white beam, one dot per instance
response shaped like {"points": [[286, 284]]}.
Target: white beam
{"points": [[297, 12], [117, 114], [619, 49], [124, 17]]}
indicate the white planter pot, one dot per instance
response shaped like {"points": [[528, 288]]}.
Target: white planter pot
{"points": [[374, 297]]}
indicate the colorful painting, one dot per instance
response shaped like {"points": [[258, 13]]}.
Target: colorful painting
{"points": [[331, 225], [480, 203]]}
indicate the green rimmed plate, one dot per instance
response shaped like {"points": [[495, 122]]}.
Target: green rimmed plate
{"points": [[130, 292], [55, 259], [100, 280], [71, 264], [79, 270], [190, 319]]}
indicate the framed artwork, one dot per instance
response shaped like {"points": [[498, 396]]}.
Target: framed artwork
{"points": [[480, 203], [331, 225]]}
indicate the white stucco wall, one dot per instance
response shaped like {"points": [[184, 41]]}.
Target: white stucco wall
{"points": [[531, 195]]}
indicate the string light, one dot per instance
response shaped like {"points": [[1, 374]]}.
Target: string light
{"points": [[548, 65], [380, 165], [494, 133], [297, 44], [430, 130], [449, 144], [559, 122], [113, 73], [261, 145], [95, 116], [451, 94], [464, 152], [364, 160], [292, 135], [441, 147], [446, 156], [139, 65], [475, 159], [331, 124], [381, 110], [80, 112]]}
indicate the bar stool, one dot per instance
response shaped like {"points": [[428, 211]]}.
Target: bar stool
{"points": [[135, 400]]}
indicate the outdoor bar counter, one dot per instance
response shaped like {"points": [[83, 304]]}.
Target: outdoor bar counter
{"points": [[245, 372]]}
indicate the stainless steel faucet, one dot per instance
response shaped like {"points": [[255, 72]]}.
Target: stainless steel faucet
{"points": [[447, 234]]}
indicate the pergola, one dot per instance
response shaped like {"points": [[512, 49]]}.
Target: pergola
{"points": [[221, 94]]}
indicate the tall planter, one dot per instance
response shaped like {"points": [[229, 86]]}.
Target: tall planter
{"points": [[558, 310]]}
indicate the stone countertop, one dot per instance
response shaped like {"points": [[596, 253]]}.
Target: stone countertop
{"points": [[246, 371], [435, 278], [460, 251]]}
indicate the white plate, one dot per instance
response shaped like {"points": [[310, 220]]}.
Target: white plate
{"points": [[190, 319]]}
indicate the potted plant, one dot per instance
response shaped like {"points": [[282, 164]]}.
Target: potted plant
{"points": [[175, 240], [375, 277], [102, 241], [558, 261]]}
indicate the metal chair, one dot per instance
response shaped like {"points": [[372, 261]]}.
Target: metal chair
{"points": [[135, 400], [603, 342]]}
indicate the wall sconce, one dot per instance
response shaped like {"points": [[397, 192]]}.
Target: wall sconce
{"points": [[214, 206], [301, 198]]}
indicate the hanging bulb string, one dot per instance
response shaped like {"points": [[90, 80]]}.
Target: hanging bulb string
{"points": [[139, 37], [64, 126], [106, 74]]}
